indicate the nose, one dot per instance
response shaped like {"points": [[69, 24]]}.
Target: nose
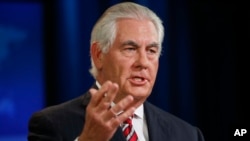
{"points": [[141, 61]]}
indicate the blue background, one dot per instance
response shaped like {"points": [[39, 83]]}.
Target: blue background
{"points": [[21, 67]]}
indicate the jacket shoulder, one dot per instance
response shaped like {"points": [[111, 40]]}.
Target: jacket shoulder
{"points": [[64, 120], [170, 125]]}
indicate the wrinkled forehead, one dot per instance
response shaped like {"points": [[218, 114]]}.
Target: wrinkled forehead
{"points": [[134, 29]]}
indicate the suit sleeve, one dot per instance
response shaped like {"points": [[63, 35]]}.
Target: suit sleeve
{"points": [[41, 129]]}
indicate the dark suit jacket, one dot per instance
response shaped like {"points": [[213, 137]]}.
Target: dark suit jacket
{"points": [[64, 122]]}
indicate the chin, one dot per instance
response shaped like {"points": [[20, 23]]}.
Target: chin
{"points": [[137, 93]]}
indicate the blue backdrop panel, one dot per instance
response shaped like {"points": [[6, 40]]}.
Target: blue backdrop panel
{"points": [[21, 67]]}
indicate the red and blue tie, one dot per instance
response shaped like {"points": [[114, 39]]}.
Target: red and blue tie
{"points": [[129, 131]]}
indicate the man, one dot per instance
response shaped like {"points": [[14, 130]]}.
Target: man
{"points": [[125, 49]]}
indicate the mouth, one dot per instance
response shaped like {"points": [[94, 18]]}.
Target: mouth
{"points": [[138, 81]]}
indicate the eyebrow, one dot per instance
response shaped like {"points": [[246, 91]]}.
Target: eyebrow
{"points": [[132, 43], [154, 44]]}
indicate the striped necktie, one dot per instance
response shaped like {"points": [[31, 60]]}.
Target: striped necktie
{"points": [[128, 130]]}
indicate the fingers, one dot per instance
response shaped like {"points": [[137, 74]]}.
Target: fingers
{"points": [[125, 113], [110, 95], [108, 90], [121, 106], [100, 105]]}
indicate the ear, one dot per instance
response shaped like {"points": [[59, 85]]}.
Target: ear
{"points": [[96, 54]]}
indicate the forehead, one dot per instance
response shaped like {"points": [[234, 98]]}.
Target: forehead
{"points": [[129, 28]]}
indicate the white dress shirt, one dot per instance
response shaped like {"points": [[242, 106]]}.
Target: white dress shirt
{"points": [[140, 124]]}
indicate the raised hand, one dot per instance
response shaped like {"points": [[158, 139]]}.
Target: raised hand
{"points": [[102, 120]]}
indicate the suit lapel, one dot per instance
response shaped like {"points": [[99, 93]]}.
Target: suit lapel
{"points": [[118, 136], [87, 96], [155, 130]]}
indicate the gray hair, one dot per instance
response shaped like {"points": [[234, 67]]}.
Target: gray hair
{"points": [[104, 31]]}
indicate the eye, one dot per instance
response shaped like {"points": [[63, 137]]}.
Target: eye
{"points": [[130, 48], [153, 50], [129, 51]]}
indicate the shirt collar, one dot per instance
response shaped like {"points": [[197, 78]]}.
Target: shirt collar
{"points": [[98, 84], [138, 112]]}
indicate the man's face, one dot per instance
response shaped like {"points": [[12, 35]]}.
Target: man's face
{"points": [[132, 61]]}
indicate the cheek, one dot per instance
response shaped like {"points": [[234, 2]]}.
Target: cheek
{"points": [[117, 68], [124, 69], [156, 65], [154, 69]]}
